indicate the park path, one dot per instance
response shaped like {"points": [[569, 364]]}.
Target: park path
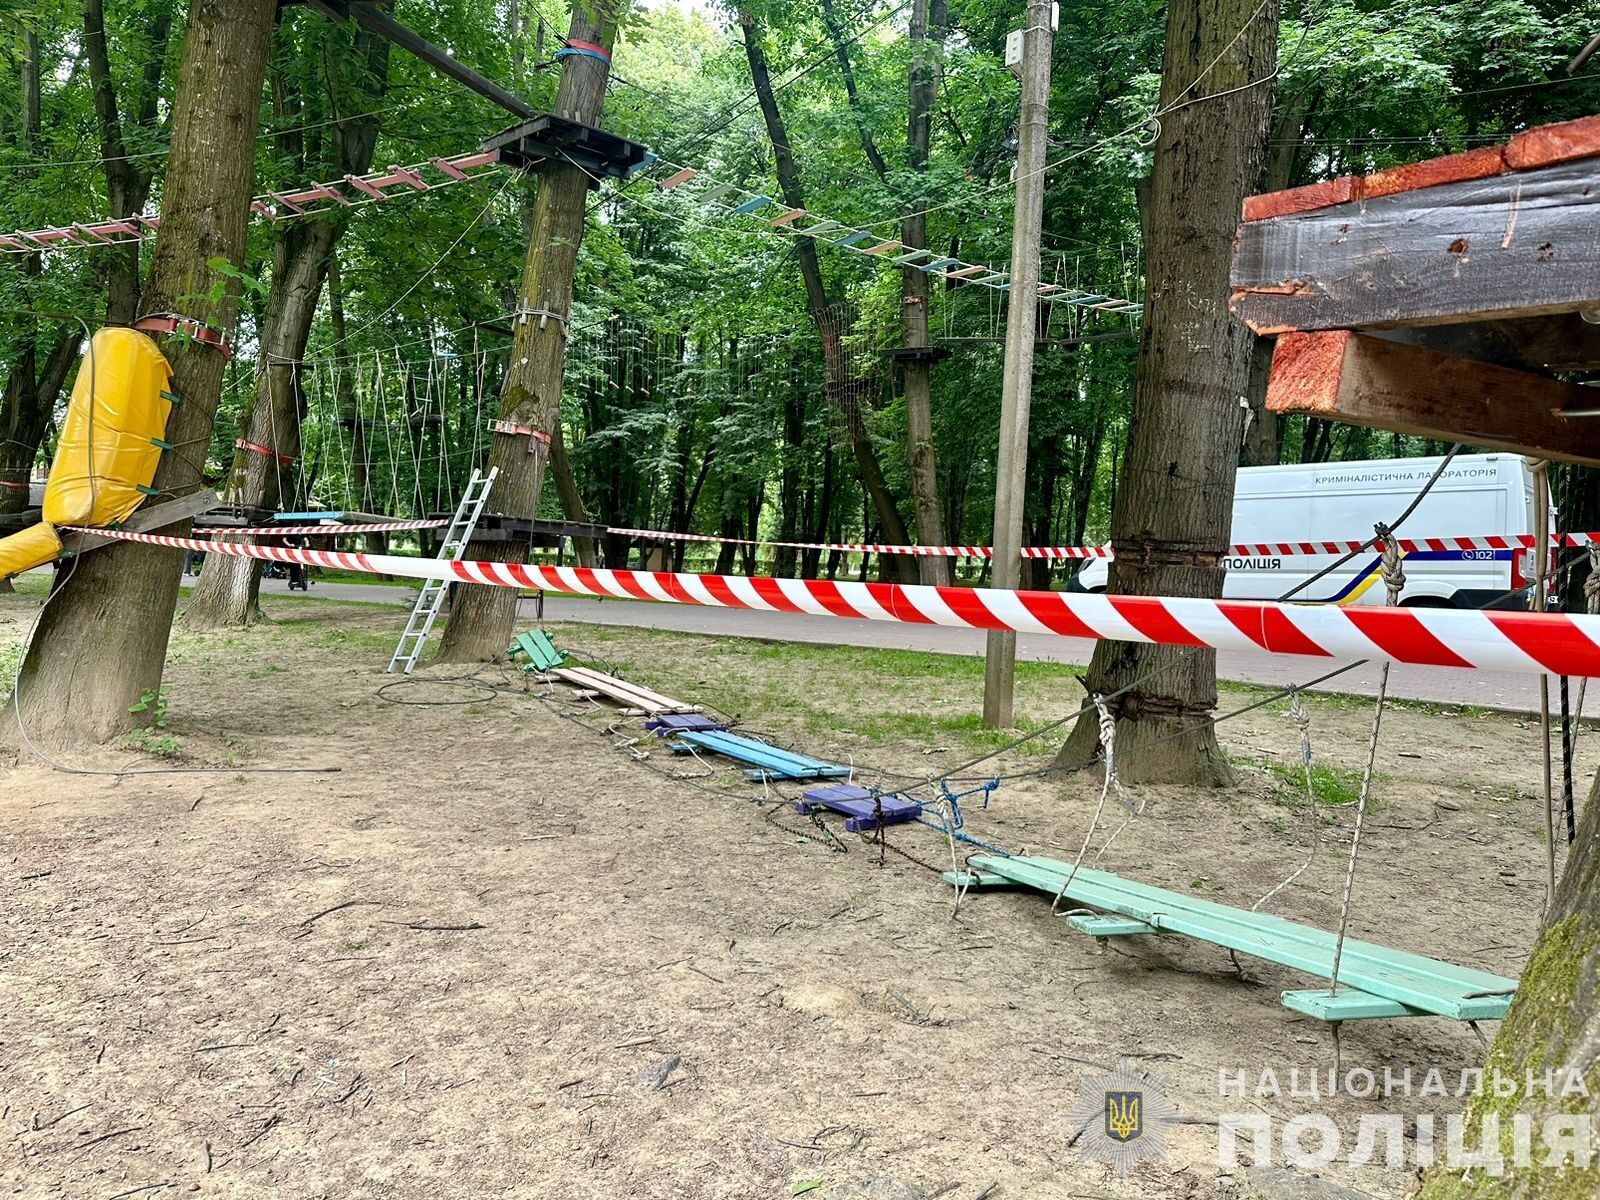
{"points": [[1443, 685]]}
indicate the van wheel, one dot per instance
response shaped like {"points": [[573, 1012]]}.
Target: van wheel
{"points": [[1426, 602]]}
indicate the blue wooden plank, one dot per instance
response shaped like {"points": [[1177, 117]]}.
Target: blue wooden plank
{"points": [[750, 206], [1412, 980], [669, 723], [321, 514], [851, 239], [764, 755]]}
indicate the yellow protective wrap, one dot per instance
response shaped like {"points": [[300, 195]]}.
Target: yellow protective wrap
{"points": [[118, 410], [30, 548]]}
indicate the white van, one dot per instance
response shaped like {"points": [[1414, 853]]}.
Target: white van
{"points": [[1478, 495]]}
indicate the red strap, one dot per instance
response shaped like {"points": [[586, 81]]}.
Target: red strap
{"points": [[511, 427], [21, 487], [601, 51], [198, 330], [241, 444]]}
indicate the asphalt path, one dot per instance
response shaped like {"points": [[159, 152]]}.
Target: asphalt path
{"points": [[1444, 685]]}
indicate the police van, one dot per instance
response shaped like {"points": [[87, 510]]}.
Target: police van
{"points": [[1479, 495]]}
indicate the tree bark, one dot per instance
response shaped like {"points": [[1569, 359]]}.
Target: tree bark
{"points": [[1174, 503], [101, 643], [229, 590], [571, 498], [843, 392], [929, 21], [1553, 1027], [841, 51], [482, 617]]}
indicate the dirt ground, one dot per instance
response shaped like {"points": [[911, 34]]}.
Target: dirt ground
{"points": [[490, 952]]}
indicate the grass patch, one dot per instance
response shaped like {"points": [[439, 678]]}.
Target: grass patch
{"points": [[1330, 786]]}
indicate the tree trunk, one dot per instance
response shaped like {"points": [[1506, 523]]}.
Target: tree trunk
{"points": [[843, 391], [1262, 439], [101, 643], [571, 498], [1173, 508], [929, 19], [1552, 1030], [229, 590], [482, 617]]}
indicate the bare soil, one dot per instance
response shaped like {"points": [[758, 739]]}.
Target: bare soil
{"points": [[495, 952]]}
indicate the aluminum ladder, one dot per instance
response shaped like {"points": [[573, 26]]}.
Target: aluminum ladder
{"points": [[431, 598]]}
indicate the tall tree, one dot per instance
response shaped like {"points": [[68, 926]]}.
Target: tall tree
{"points": [[31, 388], [929, 21], [845, 391], [101, 642], [481, 618], [229, 589], [128, 174], [1174, 504]]}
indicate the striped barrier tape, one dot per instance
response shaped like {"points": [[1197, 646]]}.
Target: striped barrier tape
{"points": [[1522, 541], [1519, 642], [323, 530]]}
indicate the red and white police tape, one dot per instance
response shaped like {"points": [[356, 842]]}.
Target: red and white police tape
{"points": [[1522, 642], [1522, 541], [324, 530]]}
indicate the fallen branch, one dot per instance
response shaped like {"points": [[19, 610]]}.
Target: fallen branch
{"points": [[305, 926]]}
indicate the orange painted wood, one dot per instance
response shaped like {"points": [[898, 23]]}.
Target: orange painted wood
{"points": [[1452, 168], [1300, 199], [1379, 384], [1549, 144]]}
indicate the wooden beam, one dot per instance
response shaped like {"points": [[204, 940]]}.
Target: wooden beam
{"points": [[1382, 384], [1561, 343], [147, 520], [1505, 246]]}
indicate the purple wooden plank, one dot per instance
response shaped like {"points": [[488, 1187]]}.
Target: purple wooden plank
{"points": [[858, 807], [683, 723]]}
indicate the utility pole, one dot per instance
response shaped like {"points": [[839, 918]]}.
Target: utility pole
{"points": [[1022, 318]]}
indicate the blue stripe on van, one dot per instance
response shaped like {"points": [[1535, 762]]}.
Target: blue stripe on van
{"points": [[1418, 556]]}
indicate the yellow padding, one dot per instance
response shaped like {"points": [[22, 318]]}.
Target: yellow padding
{"points": [[117, 409], [28, 548]]}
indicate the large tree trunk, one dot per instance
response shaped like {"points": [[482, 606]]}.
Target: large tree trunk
{"points": [[843, 391], [1551, 1032], [229, 590], [571, 498], [482, 617], [101, 643], [1174, 504], [929, 19]]}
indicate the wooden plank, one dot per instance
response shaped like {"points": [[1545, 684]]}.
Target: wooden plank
{"points": [[627, 694], [147, 520], [1483, 163], [1519, 244], [1347, 1004], [1547, 144], [1382, 384], [1444, 989], [1299, 199], [1096, 925], [973, 880]]}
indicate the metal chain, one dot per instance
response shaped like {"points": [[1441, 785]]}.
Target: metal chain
{"points": [[1394, 579]]}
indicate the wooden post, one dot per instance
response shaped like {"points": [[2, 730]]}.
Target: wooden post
{"points": [[1022, 318]]}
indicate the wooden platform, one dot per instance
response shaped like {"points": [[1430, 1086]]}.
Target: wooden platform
{"points": [[1375, 981], [635, 700], [764, 757]]}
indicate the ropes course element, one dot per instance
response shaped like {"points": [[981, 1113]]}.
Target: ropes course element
{"points": [[1394, 581], [350, 191], [1500, 542], [1518, 642], [331, 529]]}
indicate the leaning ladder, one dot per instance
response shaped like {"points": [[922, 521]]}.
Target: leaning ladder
{"points": [[431, 598]]}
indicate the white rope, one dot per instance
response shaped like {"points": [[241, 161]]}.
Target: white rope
{"points": [[1108, 743], [1394, 580], [1302, 719]]}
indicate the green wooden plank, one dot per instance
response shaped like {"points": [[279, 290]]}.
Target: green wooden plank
{"points": [[1348, 1004], [1096, 925], [1408, 979], [981, 879]]}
